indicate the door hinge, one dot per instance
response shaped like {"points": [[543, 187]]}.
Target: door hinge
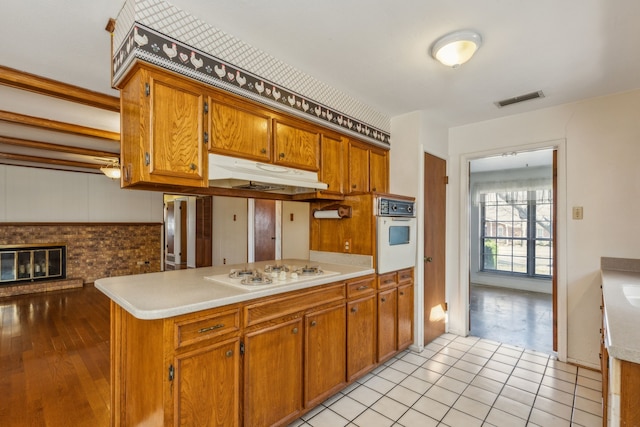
{"points": [[206, 107], [446, 179], [446, 306], [206, 137], [171, 373], [242, 347]]}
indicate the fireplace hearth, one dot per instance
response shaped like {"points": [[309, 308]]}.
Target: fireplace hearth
{"points": [[21, 264]]}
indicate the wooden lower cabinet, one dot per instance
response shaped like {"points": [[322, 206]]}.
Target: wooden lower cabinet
{"points": [[260, 363], [273, 374], [212, 372], [387, 320], [361, 336], [325, 353], [405, 316]]}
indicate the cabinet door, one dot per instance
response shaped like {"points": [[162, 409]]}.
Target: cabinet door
{"points": [[332, 165], [387, 317], [325, 353], [273, 374], [378, 171], [361, 336], [358, 167], [296, 145], [405, 316], [177, 152], [207, 386], [239, 129]]}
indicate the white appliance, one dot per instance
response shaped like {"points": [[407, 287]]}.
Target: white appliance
{"points": [[271, 276], [243, 174], [396, 234]]}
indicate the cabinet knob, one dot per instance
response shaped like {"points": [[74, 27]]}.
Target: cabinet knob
{"points": [[383, 299], [229, 353], [192, 166], [294, 331], [263, 151], [374, 189], [354, 186], [354, 309], [313, 323], [282, 155], [402, 293]]}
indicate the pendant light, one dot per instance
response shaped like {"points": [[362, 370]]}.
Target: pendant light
{"points": [[454, 49]]}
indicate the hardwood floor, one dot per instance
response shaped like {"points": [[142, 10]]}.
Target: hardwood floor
{"points": [[54, 355]]}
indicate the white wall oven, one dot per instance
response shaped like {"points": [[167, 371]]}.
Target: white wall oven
{"points": [[395, 233]]}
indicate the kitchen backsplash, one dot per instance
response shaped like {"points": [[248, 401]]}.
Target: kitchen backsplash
{"points": [[95, 250]]}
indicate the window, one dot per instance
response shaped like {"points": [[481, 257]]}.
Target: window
{"points": [[516, 235]]}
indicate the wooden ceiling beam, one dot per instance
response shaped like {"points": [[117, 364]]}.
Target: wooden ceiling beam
{"points": [[56, 147], [44, 86], [45, 160], [54, 125]]}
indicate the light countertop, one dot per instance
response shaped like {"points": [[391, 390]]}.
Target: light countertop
{"points": [[622, 318], [172, 293]]}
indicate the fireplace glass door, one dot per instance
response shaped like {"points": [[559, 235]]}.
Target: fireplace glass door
{"points": [[31, 263]]}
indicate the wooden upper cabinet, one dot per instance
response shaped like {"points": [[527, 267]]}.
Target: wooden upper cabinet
{"points": [[358, 168], [378, 171], [332, 168], [162, 130], [296, 144], [238, 128]]}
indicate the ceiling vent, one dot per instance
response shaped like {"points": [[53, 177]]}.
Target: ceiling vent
{"points": [[521, 98]]}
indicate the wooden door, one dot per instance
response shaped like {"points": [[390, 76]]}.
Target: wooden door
{"points": [[361, 336], [405, 316], [212, 372], [203, 232], [177, 152], [435, 189], [264, 230], [387, 315], [332, 165], [273, 374], [181, 235], [325, 353], [358, 168], [296, 144], [169, 233], [378, 171]]}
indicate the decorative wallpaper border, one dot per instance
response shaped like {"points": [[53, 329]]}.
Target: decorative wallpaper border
{"points": [[144, 43]]}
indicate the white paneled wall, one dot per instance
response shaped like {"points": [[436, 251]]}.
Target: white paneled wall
{"points": [[42, 195]]}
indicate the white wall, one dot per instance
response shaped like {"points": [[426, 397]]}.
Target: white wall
{"points": [[598, 169], [230, 228], [413, 135], [42, 195], [295, 232]]}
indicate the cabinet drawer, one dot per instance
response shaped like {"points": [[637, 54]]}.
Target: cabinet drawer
{"points": [[405, 276], [358, 288], [387, 280], [272, 308], [190, 331]]}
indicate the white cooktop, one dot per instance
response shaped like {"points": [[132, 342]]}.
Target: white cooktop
{"points": [[277, 279]]}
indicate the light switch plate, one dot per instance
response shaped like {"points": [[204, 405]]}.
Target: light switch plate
{"points": [[577, 212]]}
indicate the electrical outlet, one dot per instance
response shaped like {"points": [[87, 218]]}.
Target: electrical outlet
{"points": [[347, 245], [578, 212]]}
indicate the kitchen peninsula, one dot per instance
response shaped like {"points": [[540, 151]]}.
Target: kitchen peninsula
{"points": [[187, 349]]}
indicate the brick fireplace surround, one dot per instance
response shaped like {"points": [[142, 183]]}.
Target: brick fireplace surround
{"points": [[94, 250]]}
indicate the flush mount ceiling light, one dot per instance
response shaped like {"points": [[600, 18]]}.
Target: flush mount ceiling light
{"points": [[112, 170], [456, 48]]}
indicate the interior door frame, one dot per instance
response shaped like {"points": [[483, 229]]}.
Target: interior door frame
{"points": [[560, 243]]}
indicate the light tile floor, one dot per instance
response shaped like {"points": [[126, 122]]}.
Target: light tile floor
{"points": [[466, 381]]}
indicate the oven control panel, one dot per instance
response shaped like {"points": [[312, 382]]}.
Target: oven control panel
{"points": [[391, 207]]}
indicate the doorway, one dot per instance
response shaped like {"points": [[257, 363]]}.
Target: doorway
{"points": [[187, 231], [512, 280]]}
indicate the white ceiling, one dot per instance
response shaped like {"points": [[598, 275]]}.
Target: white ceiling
{"points": [[376, 51]]}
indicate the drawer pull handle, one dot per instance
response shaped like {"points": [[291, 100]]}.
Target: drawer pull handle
{"points": [[388, 281], [313, 323], [406, 277], [211, 328], [362, 288], [354, 309], [229, 353]]}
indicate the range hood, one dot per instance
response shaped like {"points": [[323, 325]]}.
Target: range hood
{"points": [[243, 174]]}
